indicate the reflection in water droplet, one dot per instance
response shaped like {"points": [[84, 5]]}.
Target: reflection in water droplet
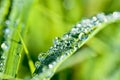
{"points": [[4, 46]]}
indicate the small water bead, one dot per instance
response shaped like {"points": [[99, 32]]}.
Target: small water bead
{"points": [[82, 36], [86, 22], [57, 41], [4, 46], [1, 63], [87, 30], [78, 25], [7, 22], [37, 64], [94, 21], [7, 31], [61, 58], [42, 56], [50, 65], [75, 30], [102, 17], [44, 68], [3, 57], [66, 36]]}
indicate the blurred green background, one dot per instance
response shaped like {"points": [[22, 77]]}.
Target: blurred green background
{"points": [[98, 59]]}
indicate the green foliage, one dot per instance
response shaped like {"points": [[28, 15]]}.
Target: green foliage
{"points": [[27, 28]]}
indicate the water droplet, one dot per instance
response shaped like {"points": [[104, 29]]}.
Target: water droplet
{"points": [[82, 36], [116, 15], [57, 41], [66, 36], [1, 64], [41, 56], [61, 58], [7, 31], [87, 30], [7, 22], [50, 66], [79, 25], [4, 46], [75, 30], [102, 18], [86, 22], [37, 64]]}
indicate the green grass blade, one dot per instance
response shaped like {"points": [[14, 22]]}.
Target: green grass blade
{"points": [[12, 46], [69, 43]]}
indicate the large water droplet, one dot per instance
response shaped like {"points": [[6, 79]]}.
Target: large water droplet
{"points": [[4, 46], [116, 15]]}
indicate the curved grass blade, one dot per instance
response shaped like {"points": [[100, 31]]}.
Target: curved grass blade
{"points": [[12, 46], [69, 43], [5, 6]]}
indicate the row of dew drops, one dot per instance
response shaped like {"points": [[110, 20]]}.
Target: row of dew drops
{"points": [[7, 33], [70, 42]]}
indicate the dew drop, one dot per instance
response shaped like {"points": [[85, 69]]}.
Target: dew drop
{"points": [[7, 31], [79, 25], [4, 46], [94, 21], [57, 41], [102, 18], [7, 22], [37, 64], [74, 30], [82, 36], [61, 57], [116, 15], [1, 64], [41, 56], [86, 22], [50, 66], [66, 36]]}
